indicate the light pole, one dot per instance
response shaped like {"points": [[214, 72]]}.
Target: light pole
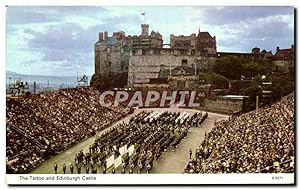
{"points": [[195, 67], [257, 98], [261, 91]]}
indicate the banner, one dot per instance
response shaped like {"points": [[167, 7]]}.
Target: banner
{"points": [[131, 150], [123, 149], [118, 161], [110, 161]]}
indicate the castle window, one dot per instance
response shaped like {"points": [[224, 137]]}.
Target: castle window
{"points": [[184, 62], [193, 52]]}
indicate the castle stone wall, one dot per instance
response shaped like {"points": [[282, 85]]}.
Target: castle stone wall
{"points": [[224, 105]]}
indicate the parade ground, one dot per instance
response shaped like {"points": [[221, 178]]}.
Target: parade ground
{"points": [[171, 161]]}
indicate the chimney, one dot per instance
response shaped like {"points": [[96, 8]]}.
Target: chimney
{"points": [[292, 46], [100, 36], [105, 35]]}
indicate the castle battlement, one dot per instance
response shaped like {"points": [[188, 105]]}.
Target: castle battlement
{"points": [[141, 58]]}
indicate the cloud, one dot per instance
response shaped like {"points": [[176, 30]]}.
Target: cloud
{"points": [[60, 40], [240, 29], [46, 14], [233, 15], [27, 15], [58, 37]]}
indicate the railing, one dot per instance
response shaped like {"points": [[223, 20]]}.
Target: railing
{"points": [[27, 136]]}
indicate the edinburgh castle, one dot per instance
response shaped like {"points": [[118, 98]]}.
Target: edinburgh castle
{"points": [[146, 61], [122, 60]]}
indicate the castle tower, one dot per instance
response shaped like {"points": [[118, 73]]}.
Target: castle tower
{"points": [[145, 29]]}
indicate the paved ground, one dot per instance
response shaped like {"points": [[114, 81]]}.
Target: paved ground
{"points": [[175, 161], [169, 162]]}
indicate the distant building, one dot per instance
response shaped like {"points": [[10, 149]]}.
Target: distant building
{"points": [[266, 55], [283, 59], [203, 42], [255, 54]]}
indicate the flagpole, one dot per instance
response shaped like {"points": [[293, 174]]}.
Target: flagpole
{"points": [[144, 15]]}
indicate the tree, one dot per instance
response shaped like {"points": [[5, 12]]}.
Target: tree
{"points": [[281, 86], [230, 67], [252, 69], [216, 81], [233, 67]]}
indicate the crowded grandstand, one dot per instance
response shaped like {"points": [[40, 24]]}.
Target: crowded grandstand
{"points": [[45, 124], [40, 126], [261, 141]]}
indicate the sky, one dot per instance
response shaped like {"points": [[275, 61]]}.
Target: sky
{"points": [[59, 41]]}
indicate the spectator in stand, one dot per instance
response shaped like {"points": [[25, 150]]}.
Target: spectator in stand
{"points": [[41, 125], [256, 142]]}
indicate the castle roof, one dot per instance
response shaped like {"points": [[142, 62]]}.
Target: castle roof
{"points": [[283, 53], [109, 41], [264, 51], [204, 35]]}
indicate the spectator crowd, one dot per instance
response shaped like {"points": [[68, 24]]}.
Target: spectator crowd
{"points": [[261, 141], [41, 125]]}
